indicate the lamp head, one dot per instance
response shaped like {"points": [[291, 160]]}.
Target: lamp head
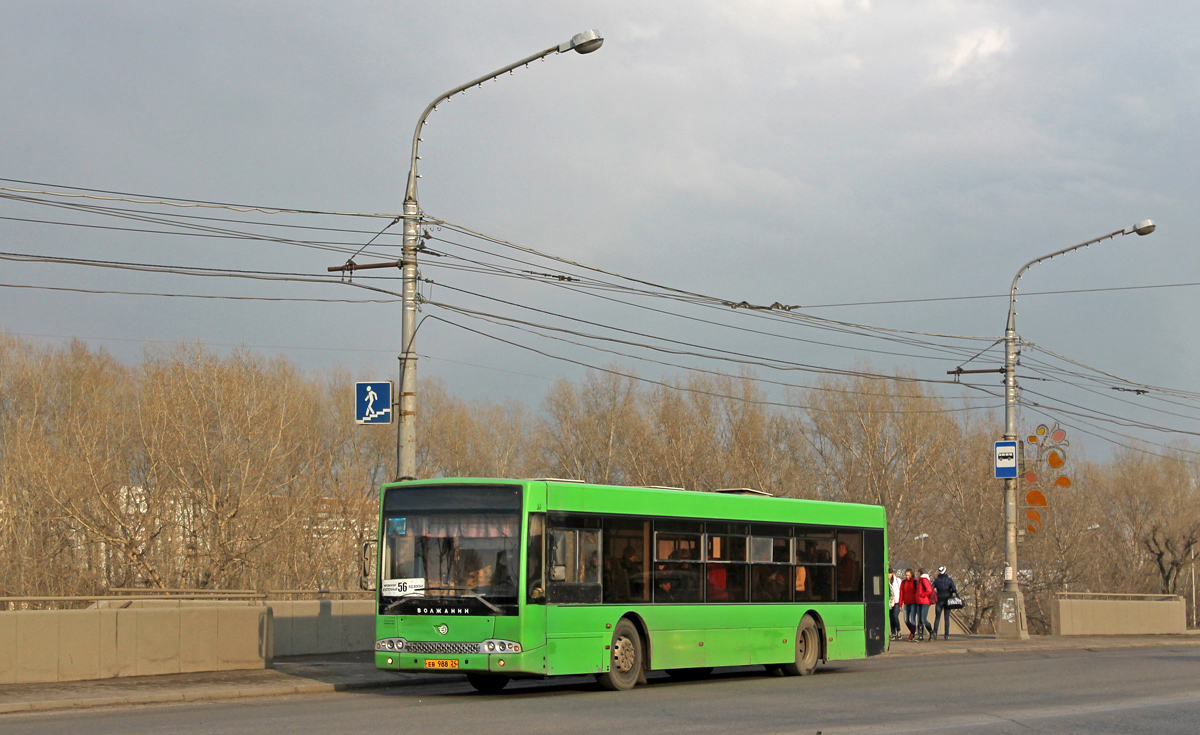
{"points": [[1145, 227], [584, 43]]}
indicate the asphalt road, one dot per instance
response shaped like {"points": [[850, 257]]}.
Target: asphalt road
{"points": [[1131, 690]]}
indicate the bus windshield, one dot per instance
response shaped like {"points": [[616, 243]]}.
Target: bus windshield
{"points": [[451, 541]]}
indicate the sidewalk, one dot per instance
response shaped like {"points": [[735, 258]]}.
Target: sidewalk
{"points": [[991, 644], [320, 674], [325, 674]]}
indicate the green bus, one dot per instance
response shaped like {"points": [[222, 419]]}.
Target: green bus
{"points": [[500, 579]]}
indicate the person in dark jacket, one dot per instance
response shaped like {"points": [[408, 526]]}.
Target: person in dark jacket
{"points": [[945, 588]]}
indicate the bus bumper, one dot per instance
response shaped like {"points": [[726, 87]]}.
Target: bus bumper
{"points": [[526, 662]]}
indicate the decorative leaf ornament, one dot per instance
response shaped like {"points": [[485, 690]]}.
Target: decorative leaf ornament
{"points": [[1047, 451]]}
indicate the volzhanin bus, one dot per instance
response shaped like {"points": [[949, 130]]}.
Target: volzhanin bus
{"points": [[500, 579]]}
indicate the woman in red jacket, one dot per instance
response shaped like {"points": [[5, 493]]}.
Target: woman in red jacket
{"points": [[908, 598], [925, 597]]}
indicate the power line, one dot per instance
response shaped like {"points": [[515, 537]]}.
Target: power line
{"points": [[1134, 447], [123, 196], [1058, 292], [199, 296], [580, 288], [1125, 381], [726, 355], [201, 231], [203, 344], [664, 384], [188, 270], [1103, 416], [728, 303], [688, 368]]}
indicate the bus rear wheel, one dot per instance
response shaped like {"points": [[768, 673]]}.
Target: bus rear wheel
{"points": [[625, 665], [487, 683], [808, 649]]}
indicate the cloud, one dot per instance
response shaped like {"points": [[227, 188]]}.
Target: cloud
{"points": [[641, 32], [783, 19], [973, 49]]}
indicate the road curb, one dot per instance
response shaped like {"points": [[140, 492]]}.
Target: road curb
{"points": [[203, 695], [1039, 649]]}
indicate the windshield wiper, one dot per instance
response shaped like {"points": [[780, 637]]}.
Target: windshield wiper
{"points": [[470, 592]]}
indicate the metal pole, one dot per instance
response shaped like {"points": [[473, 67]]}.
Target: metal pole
{"points": [[407, 465], [1010, 622], [583, 43]]}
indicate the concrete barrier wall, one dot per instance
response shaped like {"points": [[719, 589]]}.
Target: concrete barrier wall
{"points": [[1114, 616], [99, 643], [323, 626], [300, 627]]}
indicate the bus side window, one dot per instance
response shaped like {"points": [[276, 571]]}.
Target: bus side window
{"points": [[574, 565], [626, 568], [563, 555], [849, 566]]}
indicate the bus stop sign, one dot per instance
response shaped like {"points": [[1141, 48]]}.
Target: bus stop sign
{"points": [[373, 402], [1006, 460]]}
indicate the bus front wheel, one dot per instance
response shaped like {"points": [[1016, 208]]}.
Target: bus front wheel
{"points": [[625, 664], [808, 649]]}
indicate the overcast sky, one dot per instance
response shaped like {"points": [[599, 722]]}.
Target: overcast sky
{"points": [[807, 153]]}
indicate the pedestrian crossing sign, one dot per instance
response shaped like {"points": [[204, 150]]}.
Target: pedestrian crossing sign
{"points": [[373, 402]]}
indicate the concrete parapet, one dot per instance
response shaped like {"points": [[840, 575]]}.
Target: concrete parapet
{"points": [[1078, 613], [301, 627], [323, 626], [98, 643]]}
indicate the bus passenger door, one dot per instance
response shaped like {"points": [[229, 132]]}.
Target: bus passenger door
{"points": [[533, 608], [876, 592]]}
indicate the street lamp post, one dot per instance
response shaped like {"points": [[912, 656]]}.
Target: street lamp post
{"points": [[1010, 622], [583, 43], [921, 538]]}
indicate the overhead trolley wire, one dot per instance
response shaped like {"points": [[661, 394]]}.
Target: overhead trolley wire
{"points": [[645, 335], [1114, 396], [107, 208], [199, 296], [189, 270], [664, 384], [532, 329], [686, 293], [122, 196], [1102, 416], [196, 230], [1190, 395], [1134, 447], [710, 302]]}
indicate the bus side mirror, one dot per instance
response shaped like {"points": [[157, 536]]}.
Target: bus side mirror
{"points": [[367, 580], [558, 573]]}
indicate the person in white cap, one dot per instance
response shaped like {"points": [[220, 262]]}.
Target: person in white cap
{"points": [[894, 606], [945, 588]]}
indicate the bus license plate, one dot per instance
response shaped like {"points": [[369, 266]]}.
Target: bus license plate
{"points": [[441, 663]]}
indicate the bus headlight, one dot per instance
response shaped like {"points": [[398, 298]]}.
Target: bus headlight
{"points": [[495, 645]]}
